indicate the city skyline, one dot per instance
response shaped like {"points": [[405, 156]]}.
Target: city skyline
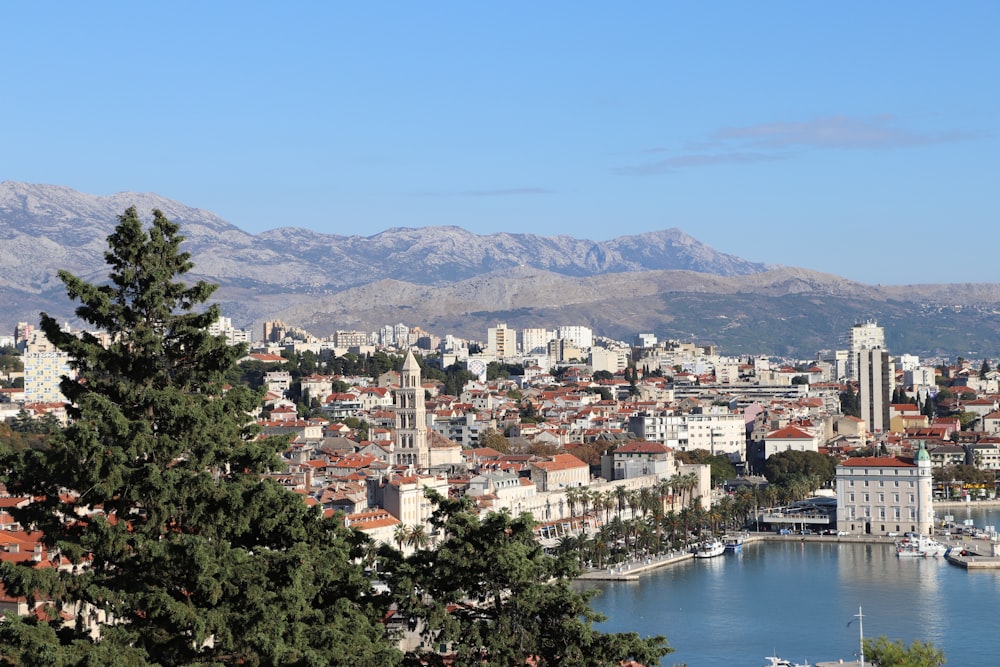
{"points": [[833, 138]]}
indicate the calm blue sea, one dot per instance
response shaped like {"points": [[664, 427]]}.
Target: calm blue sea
{"points": [[795, 600]]}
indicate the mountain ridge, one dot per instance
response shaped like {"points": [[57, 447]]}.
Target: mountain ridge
{"points": [[455, 281]]}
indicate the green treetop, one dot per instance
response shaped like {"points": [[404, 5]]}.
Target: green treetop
{"points": [[492, 596], [180, 547]]}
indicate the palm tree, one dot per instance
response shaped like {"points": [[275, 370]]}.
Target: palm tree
{"points": [[600, 549], [663, 492], [621, 495], [646, 500], [401, 536], [572, 496], [586, 497], [672, 522], [419, 538], [690, 481], [566, 544], [609, 505]]}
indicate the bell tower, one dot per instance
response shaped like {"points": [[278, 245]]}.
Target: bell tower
{"points": [[410, 446]]}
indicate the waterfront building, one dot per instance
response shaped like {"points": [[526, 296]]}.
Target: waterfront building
{"points": [[882, 495]]}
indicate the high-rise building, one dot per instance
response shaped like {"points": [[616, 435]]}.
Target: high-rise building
{"points": [[875, 388], [44, 367], [582, 337], [401, 334], [501, 342], [410, 447], [865, 336], [535, 341], [274, 331]]}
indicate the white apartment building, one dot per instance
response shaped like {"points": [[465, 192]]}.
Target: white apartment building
{"points": [[865, 336], [718, 433], [44, 367], [404, 497], [582, 337], [610, 360], [224, 327], [501, 342], [535, 341]]}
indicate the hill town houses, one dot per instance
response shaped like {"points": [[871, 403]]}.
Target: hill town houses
{"points": [[574, 420]]}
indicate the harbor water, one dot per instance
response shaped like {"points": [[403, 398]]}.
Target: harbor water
{"points": [[797, 599]]}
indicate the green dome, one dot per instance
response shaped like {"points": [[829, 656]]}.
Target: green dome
{"points": [[922, 454]]}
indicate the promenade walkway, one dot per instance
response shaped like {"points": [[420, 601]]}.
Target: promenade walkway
{"points": [[977, 554]]}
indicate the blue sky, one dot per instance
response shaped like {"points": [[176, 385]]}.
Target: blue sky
{"points": [[855, 138]]}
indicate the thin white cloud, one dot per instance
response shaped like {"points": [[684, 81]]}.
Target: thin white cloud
{"points": [[506, 192], [697, 160], [876, 132], [500, 192], [767, 142]]}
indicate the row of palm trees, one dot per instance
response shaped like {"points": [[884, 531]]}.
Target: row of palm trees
{"points": [[653, 527], [416, 536], [666, 494]]}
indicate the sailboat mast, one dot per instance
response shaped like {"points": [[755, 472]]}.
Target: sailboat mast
{"points": [[861, 634]]}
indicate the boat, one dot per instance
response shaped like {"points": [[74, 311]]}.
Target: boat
{"points": [[709, 549], [774, 661], [733, 543], [920, 546]]}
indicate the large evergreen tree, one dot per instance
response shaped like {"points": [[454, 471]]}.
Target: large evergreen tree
{"points": [[182, 550], [492, 597]]}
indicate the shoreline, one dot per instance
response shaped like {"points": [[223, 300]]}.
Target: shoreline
{"points": [[632, 570], [965, 503]]}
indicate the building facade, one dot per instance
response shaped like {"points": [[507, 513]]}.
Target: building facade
{"points": [[501, 342], [874, 388], [883, 495], [44, 368]]}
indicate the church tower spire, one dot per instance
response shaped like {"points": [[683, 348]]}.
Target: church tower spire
{"points": [[410, 447]]}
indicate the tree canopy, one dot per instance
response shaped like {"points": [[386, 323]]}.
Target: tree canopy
{"points": [[491, 594], [168, 543], [785, 467], [181, 547], [884, 652]]}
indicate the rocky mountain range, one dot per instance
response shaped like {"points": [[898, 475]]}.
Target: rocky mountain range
{"points": [[449, 280]]}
